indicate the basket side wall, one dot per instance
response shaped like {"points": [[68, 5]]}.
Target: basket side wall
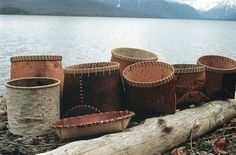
{"points": [[31, 112]]}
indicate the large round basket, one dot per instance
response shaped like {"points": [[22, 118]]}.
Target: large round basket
{"points": [[150, 88], [190, 84], [220, 76], [96, 85], [128, 56], [33, 104], [37, 66]]}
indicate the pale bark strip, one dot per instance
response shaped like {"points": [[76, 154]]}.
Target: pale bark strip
{"points": [[156, 135]]}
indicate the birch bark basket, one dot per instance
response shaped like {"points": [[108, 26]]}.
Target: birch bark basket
{"points": [[158, 134]]}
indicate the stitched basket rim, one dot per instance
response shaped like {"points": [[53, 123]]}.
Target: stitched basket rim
{"points": [[115, 53], [148, 84], [188, 68], [82, 69], [124, 115], [55, 84], [220, 58], [36, 58], [81, 106]]}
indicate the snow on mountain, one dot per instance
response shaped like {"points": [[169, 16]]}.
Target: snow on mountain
{"points": [[224, 9], [206, 5], [226, 4], [200, 5], [205, 9]]}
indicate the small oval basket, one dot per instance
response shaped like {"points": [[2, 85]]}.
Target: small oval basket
{"points": [[37, 66], [96, 85], [190, 84], [128, 56], [220, 76], [94, 124], [150, 88]]}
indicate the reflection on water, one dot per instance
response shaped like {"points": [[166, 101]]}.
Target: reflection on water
{"points": [[88, 39]]}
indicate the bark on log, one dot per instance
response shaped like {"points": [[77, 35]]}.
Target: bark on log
{"points": [[156, 135]]}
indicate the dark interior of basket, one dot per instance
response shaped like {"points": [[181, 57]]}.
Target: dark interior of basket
{"points": [[32, 82]]}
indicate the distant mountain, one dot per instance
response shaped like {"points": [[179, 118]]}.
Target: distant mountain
{"points": [[156, 8], [117, 8], [63, 7], [224, 10]]}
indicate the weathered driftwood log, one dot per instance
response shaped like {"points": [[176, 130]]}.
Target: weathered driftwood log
{"points": [[158, 134]]}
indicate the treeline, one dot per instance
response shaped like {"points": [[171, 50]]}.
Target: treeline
{"points": [[13, 11]]}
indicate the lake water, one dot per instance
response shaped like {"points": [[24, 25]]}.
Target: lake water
{"points": [[89, 39]]}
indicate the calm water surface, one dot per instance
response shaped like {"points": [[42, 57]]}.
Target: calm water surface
{"points": [[89, 39]]}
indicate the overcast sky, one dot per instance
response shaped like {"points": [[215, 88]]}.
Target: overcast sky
{"points": [[200, 4]]}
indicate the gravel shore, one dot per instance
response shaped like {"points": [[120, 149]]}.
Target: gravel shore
{"points": [[220, 141], [15, 145]]}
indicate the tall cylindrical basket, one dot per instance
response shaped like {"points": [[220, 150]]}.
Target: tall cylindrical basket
{"points": [[150, 88], [190, 84], [95, 86], [33, 104], [37, 66], [220, 76]]}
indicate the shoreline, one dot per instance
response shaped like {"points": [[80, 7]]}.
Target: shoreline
{"points": [[87, 16]]}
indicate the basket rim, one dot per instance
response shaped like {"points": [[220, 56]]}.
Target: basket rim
{"points": [[148, 84], [57, 83], [36, 58], [188, 68], [217, 70], [124, 115], [132, 59], [72, 70]]}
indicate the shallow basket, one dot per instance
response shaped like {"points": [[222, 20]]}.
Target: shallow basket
{"points": [[96, 85], [128, 56], [37, 66], [190, 84], [94, 124], [33, 104], [150, 88], [220, 76]]}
